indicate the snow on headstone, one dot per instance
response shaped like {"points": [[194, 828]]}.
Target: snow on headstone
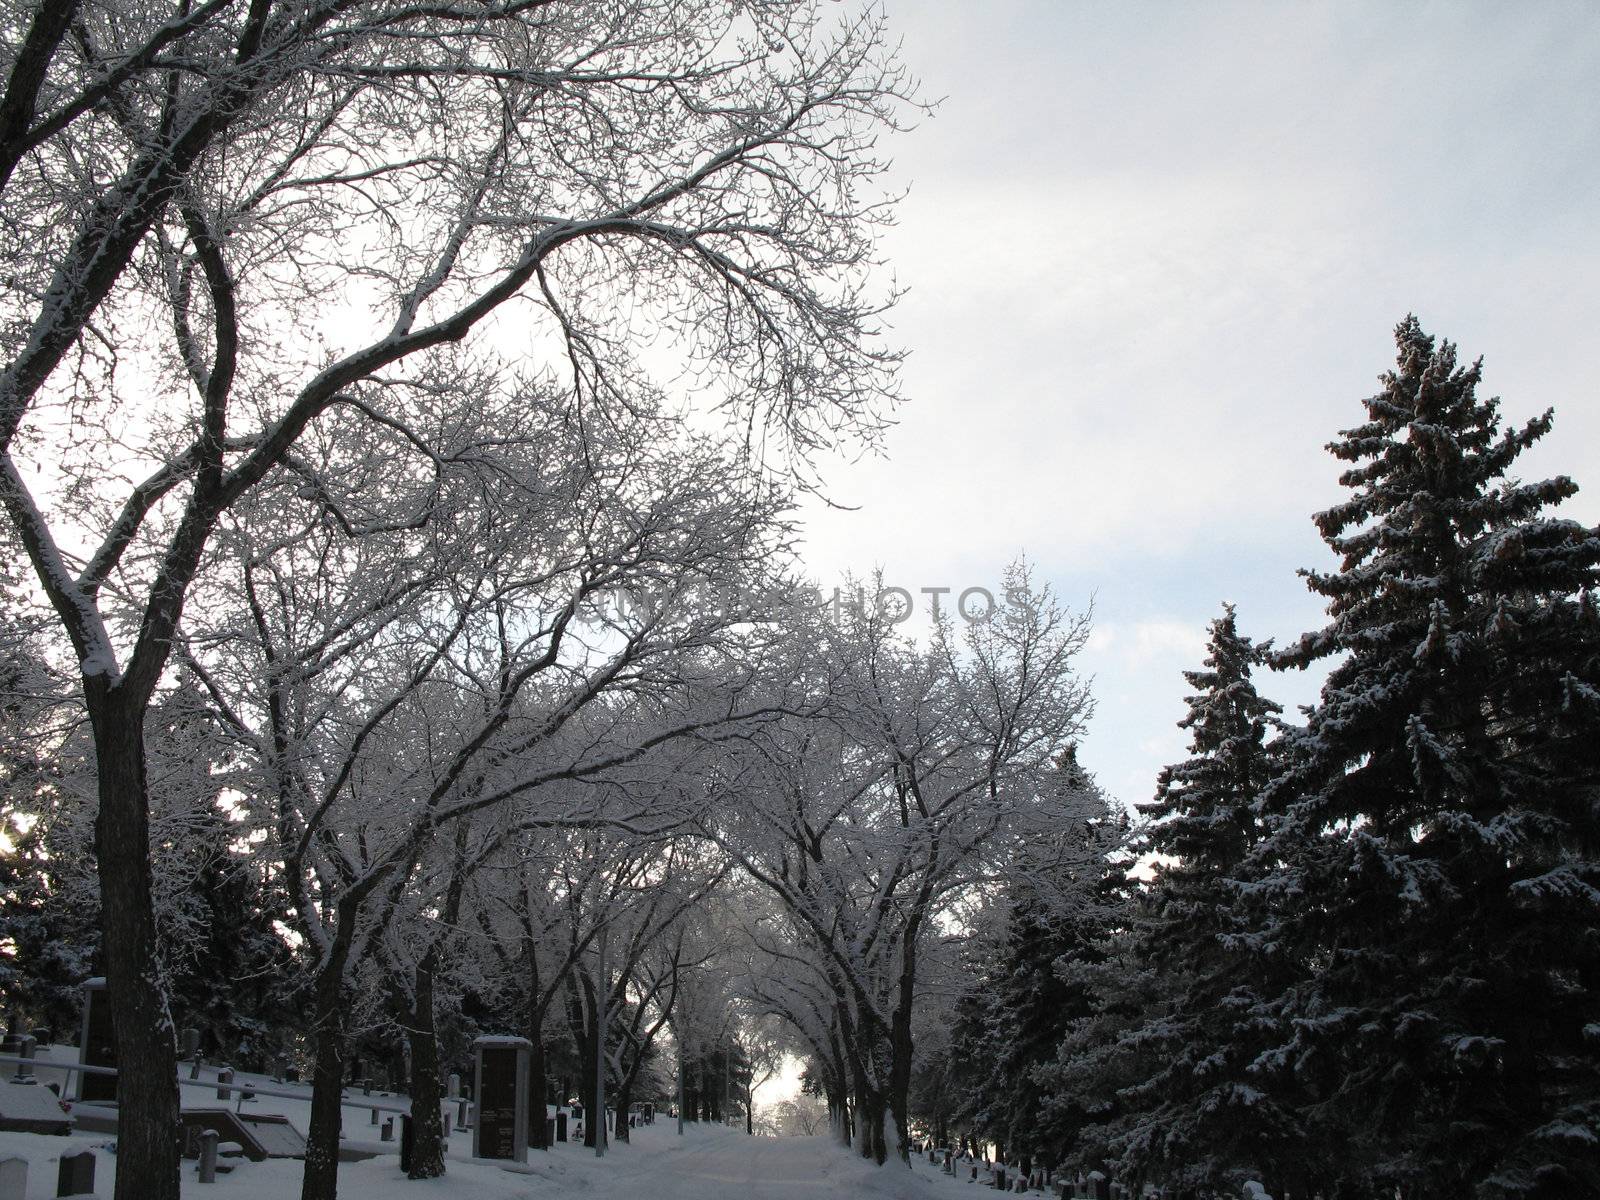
{"points": [[1255, 1190], [207, 1169], [13, 1178]]}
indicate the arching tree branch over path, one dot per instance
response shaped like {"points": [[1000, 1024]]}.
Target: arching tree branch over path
{"points": [[224, 222]]}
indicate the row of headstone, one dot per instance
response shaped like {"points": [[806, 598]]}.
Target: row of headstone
{"points": [[97, 1047]]}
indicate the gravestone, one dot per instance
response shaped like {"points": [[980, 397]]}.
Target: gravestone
{"points": [[13, 1178], [386, 1134], [207, 1170], [561, 1126], [453, 1087], [97, 1044], [76, 1176], [500, 1082], [1099, 1186], [25, 1047], [224, 1077], [191, 1051]]}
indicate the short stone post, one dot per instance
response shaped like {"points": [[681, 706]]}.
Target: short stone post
{"points": [[208, 1155], [191, 1051], [464, 1113], [447, 1117], [366, 1086], [13, 1178], [279, 1066], [224, 1077], [453, 1086], [76, 1176], [386, 1134], [374, 1117], [25, 1048]]}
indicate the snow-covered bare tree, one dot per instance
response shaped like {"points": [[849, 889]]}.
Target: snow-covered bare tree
{"points": [[869, 819], [226, 222], [389, 681]]}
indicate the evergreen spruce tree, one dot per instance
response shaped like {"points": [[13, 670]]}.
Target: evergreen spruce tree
{"points": [[231, 973], [1173, 1048], [1435, 858], [49, 892], [1030, 995]]}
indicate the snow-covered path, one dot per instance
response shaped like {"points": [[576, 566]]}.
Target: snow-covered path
{"points": [[705, 1164], [720, 1163]]}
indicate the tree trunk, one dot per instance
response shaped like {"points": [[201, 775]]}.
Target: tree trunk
{"points": [[147, 1053], [427, 1129], [899, 1097], [900, 1044], [320, 1179], [538, 1131], [624, 1100], [539, 1087], [580, 1007]]}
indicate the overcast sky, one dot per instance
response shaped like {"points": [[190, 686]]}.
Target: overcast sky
{"points": [[1156, 253]]}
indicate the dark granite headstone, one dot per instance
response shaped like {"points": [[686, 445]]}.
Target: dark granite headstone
{"points": [[76, 1175], [98, 1044], [501, 1086]]}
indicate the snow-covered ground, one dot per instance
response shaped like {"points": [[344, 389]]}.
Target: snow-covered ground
{"points": [[706, 1163], [711, 1163]]}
